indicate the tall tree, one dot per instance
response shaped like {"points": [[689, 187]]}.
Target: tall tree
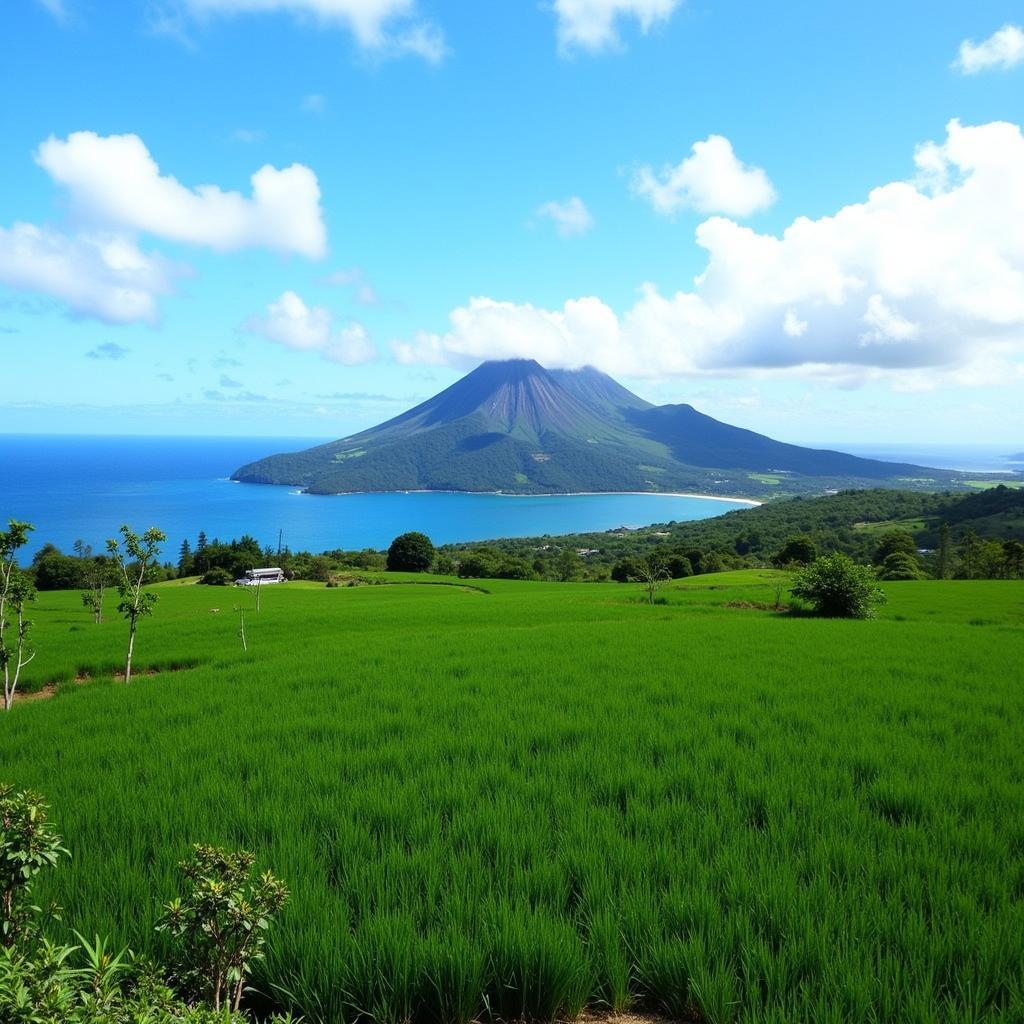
{"points": [[568, 565], [185, 558], [1013, 556], [16, 591], [135, 557], [969, 554], [945, 565]]}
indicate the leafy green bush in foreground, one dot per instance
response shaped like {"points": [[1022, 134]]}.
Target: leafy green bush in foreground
{"points": [[220, 924], [838, 588]]}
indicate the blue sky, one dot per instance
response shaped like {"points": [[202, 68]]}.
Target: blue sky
{"points": [[452, 181]]}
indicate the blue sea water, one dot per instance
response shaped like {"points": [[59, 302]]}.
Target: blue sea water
{"points": [[968, 458], [85, 487]]}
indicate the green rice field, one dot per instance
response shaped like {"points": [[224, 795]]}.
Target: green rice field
{"points": [[524, 799]]}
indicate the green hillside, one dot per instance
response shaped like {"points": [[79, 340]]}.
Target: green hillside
{"points": [[519, 799], [850, 521]]}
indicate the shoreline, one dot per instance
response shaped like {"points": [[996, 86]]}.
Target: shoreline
{"points": [[752, 502]]}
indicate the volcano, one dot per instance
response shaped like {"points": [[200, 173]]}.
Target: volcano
{"points": [[513, 426]]}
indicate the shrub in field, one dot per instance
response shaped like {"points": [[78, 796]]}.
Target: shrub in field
{"points": [[221, 921], [410, 552], [216, 577], [28, 843], [837, 587]]}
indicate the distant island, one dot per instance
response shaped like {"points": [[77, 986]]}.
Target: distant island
{"points": [[515, 427]]}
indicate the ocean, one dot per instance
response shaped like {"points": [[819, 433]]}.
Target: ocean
{"points": [[72, 487]]}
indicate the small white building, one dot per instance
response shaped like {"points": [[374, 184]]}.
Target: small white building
{"points": [[257, 577]]}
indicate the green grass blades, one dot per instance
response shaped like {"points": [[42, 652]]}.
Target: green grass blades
{"points": [[527, 798]]}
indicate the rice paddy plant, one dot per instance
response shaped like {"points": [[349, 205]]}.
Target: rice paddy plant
{"points": [[522, 802]]}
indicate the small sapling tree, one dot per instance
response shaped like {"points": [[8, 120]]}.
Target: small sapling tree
{"points": [[28, 843], [241, 625], [837, 587], [97, 575], [135, 558], [220, 923], [16, 591], [652, 576]]}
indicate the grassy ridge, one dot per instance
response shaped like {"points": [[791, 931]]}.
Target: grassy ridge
{"points": [[543, 796]]}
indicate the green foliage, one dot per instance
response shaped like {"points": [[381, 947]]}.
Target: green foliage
{"points": [[410, 552], [16, 591], [568, 565], [235, 557], [678, 566], [90, 984], [220, 923], [136, 561], [837, 587], [216, 577], [28, 843], [850, 521], [56, 571], [627, 569], [899, 565], [799, 550], [445, 565], [894, 542], [44, 982]]}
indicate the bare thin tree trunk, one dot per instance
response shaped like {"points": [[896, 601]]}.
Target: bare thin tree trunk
{"points": [[241, 631], [20, 661], [128, 659]]}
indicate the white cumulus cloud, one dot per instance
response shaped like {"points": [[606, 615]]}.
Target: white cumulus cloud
{"points": [[114, 181], [388, 27], [290, 322], [1001, 51], [97, 275], [570, 216], [592, 25], [710, 180], [913, 284]]}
